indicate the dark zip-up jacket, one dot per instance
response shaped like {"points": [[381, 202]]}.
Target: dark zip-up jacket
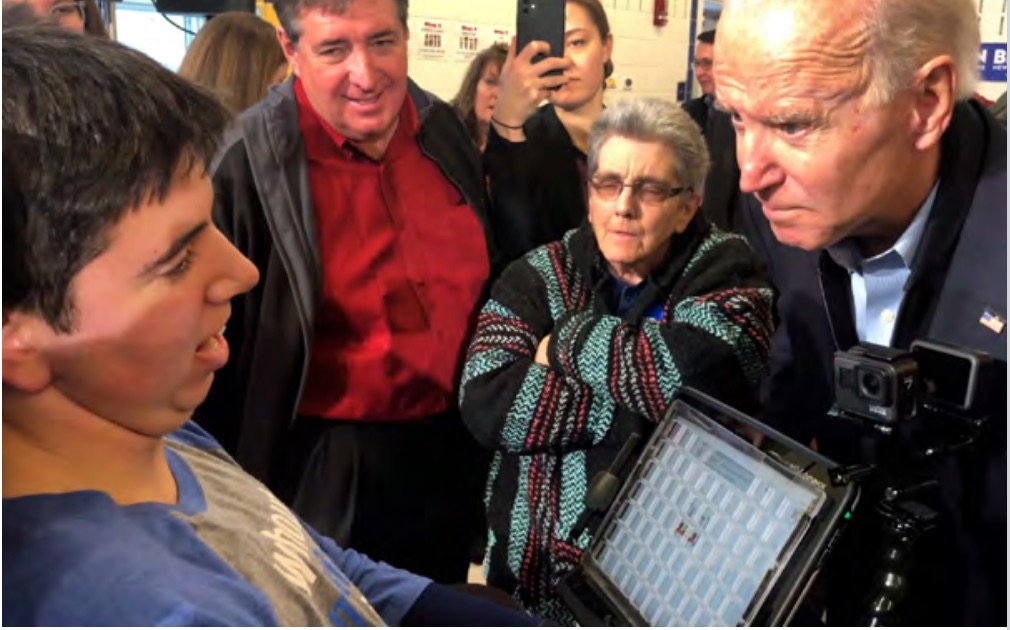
{"points": [[959, 574], [264, 205]]}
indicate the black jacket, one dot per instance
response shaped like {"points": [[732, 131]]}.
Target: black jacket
{"points": [[960, 271], [537, 192], [721, 200], [264, 205], [699, 109]]}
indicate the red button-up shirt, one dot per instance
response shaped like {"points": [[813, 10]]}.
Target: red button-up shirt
{"points": [[404, 261]]}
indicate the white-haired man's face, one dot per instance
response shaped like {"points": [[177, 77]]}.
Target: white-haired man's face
{"points": [[824, 162]]}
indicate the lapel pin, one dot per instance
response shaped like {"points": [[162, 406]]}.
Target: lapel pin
{"points": [[992, 320]]}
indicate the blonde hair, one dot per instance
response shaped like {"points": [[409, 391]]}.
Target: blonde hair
{"points": [[235, 55]]}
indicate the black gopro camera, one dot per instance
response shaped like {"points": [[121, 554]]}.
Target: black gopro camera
{"points": [[877, 382], [955, 378], [888, 385]]}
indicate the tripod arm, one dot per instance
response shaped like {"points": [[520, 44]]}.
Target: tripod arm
{"points": [[905, 522]]}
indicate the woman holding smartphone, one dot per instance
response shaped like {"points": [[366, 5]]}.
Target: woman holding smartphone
{"points": [[535, 158]]}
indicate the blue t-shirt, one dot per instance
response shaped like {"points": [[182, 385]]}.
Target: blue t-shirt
{"points": [[228, 553]]}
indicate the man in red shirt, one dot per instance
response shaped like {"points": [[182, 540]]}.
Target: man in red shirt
{"points": [[361, 201]]}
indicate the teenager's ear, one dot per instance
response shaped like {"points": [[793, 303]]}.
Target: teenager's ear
{"points": [[25, 368]]}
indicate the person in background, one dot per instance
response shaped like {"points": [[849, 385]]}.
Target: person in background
{"points": [[79, 16], [876, 194], [118, 510], [475, 102], [586, 340], [700, 107], [535, 157], [237, 56], [720, 200], [360, 198], [478, 93]]}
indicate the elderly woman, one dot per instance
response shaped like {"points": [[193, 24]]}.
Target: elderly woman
{"points": [[587, 339]]}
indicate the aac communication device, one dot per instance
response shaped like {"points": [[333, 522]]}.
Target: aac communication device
{"points": [[710, 529]]}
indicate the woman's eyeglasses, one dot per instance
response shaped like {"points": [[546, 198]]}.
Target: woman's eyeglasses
{"points": [[647, 192]]}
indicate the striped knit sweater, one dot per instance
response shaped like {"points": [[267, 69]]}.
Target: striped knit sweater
{"points": [[553, 428]]}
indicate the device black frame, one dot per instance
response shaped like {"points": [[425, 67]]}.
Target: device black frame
{"points": [[794, 582]]}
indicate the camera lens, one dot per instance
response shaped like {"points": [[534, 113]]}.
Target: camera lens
{"points": [[871, 385]]}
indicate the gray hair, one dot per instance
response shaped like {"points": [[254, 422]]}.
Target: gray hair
{"points": [[654, 120], [900, 35], [905, 34], [288, 13]]}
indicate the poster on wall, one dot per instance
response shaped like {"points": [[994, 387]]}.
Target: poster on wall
{"points": [[432, 39], [992, 62], [500, 35], [468, 41]]}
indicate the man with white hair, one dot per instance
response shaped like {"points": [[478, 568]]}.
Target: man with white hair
{"points": [[877, 196]]}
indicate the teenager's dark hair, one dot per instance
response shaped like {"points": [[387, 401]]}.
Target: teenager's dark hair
{"points": [[15, 213], [95, 130], [707, 37]]}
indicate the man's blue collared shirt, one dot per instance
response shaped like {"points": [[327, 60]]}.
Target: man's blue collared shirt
{"points": [[878, 283]]}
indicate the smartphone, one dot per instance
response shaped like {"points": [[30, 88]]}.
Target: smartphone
{"points": [[541, 20]]}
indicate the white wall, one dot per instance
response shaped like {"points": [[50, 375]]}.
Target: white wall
{"points": [[653, 58], [138, 25]]}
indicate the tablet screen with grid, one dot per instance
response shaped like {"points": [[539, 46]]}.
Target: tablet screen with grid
{"points": [[705, 528]]}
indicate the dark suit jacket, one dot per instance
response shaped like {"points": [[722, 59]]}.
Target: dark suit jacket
{"points": [[721, 200], [698, 109], [960, 575]]}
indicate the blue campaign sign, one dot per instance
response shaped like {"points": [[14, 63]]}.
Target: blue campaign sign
{"points": [[992, 62]]}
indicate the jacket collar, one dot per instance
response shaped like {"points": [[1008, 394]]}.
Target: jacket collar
{"points": [[589, 260], [963, 149]]}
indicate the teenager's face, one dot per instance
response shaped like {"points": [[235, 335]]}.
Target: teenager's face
{"points": [[148, 314]]}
